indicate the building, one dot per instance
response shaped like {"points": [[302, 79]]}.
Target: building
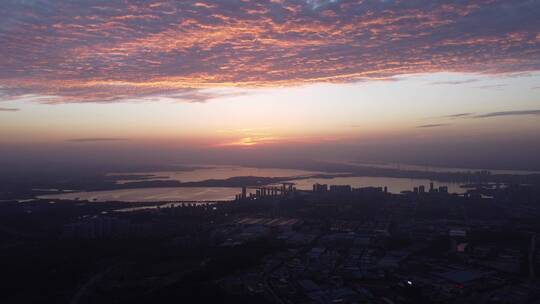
{"points": [[340, 188], [244, 192], [320, 187]]}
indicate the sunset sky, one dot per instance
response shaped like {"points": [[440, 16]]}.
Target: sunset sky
{"points": [[230, 73]]}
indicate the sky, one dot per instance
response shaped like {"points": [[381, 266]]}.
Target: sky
{"points": [[453, 83]]}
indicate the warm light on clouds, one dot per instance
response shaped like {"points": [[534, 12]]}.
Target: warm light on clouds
{"points": [[59, 51], [267, 74], [247, 137]]}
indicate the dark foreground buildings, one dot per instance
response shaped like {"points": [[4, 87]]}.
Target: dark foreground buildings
{"points": [[279, 245]]}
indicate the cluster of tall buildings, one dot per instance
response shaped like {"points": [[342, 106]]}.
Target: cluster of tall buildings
{"points": [[284, 189], [317, 188], [320, 188], [432, 189]]}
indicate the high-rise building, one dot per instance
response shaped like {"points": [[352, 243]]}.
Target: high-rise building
{"points": [[244, 192], [320, 188], [340, 188]]}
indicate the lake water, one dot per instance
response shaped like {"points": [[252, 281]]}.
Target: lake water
{"points": [[171, 194], [220, 172], [410, 167], [303, 180], [153, 194]]}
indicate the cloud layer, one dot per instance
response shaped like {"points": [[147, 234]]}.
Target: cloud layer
{"points": [[433, 125], [529, 112], [459, 115], [8, 109], [106, 51], [509, 113], [97, 139]]}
